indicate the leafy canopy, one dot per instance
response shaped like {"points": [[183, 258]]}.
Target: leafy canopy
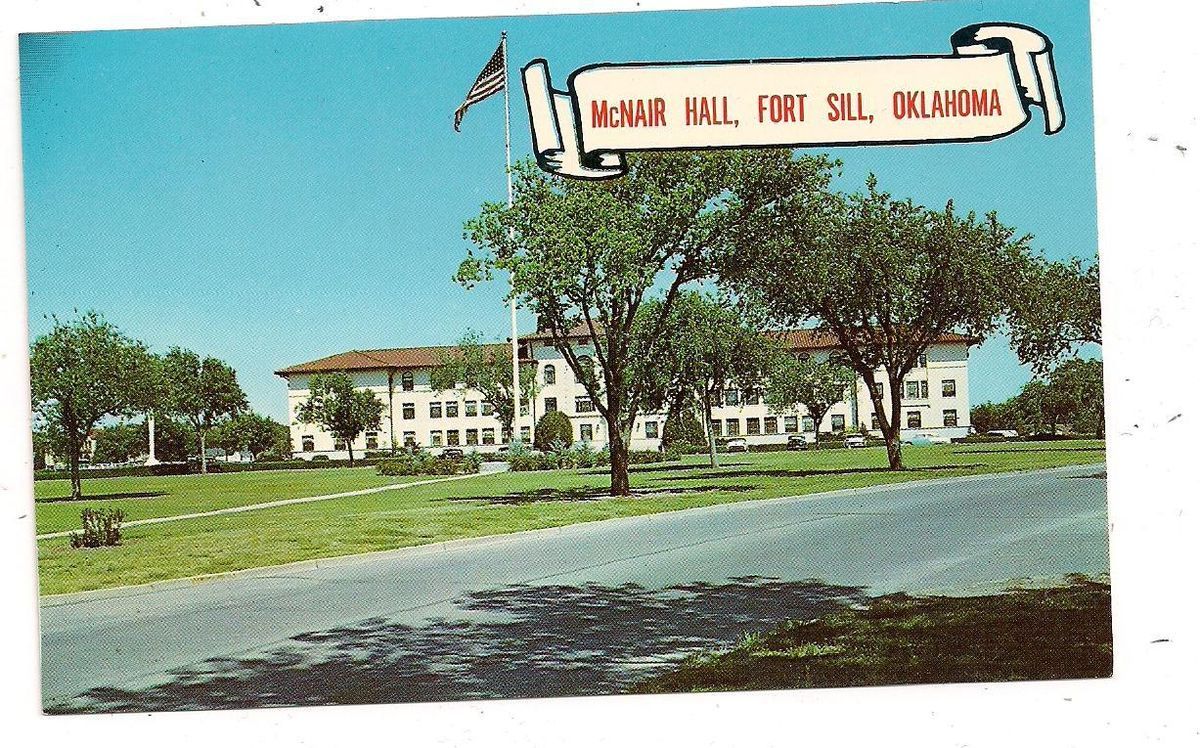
{"points": [[339, 409]]}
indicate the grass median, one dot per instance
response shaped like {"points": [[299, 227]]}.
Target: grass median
{"points": [[477, 506]]}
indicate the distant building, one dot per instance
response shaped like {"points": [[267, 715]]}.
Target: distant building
{"points": [[935, 400]]}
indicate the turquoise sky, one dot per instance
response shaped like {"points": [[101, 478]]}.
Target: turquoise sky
{"points": [[271, 195]]}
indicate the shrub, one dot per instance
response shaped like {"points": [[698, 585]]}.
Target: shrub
{"points": [[100, 527], [650, 456], [420, 462], [529, 461], [320, 458], [553, 432], [580, 455], [684, 432]]}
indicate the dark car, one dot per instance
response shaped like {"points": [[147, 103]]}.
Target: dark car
{"points": [[452, 453], [797, 442]]}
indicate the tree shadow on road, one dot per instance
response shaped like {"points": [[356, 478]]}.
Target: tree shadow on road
{"points": [[777, 473], [518, 642]]}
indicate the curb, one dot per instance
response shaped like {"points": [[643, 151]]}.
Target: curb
{"points": [[112, 593]]}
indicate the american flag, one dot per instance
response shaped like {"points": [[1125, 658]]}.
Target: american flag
{"points": [[491, 80]]}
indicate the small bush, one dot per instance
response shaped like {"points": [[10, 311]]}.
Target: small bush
{"points": [[420, 462], [553, 432], [100, 527], [684, 433], [320, 458]]}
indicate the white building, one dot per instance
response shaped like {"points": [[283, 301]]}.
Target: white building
{"points": [[935, 400]]}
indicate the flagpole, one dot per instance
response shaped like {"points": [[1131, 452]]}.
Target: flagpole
{"points": [[512, 302]]}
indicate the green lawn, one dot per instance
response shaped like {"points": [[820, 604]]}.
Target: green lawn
{"points": [[1031, 634], [164, 496], [483, 505]]}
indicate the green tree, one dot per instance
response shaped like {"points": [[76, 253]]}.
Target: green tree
{"points": [[885, 277], [486, 369], [1055, 308], [816, 383], [119, 442], [553, 432], [1080, 383], [252, 432], [339, 409], [987, 417], [202, 390], [585, 255], [682, 431], [174, 441], [704, 346], [82, 371]]}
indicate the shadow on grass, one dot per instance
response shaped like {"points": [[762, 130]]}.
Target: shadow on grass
{"points": [[517, 642], [592, 493], [103, 497], [665, 467], [812, 473], [1024, 451]]}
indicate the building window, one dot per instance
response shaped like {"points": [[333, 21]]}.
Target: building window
{"points": [[435, 410], [874, 422], [489, 436], [408, 411], [771, 425], [551, 404], [472, 408], [435, 438], [472, 437], [406, 381], [837, 423], [912, 390], [452, 410], [587, 368], [924, 389], [306, 444], [790, 424], [585, 432], [339, 445], [731, 397], [548, 374], [651, 429], [452, 438], [753, 426], [922, 361], [525, 434], [950, 417], [914, 419], [584, 404], [750, 398], [949, 388], [487, 409], [372, 440], [410, 439], [807, 424], [524, 407], [732, 427], [716, 427]]}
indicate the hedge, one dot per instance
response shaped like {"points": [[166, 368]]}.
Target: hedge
{"points": [[179, 468]]}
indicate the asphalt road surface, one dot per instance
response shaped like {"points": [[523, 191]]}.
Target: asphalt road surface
{"points": [[584, 609]]}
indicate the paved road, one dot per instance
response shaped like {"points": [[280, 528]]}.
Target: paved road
{"points": [[583, 609]]}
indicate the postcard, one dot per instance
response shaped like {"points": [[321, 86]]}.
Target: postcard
{"points": [[561, 355]]}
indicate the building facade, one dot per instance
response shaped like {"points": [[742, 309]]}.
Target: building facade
{"points": [[935, 400]]}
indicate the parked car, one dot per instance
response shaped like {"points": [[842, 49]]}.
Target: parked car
{"points": [[855, 441], [925, 438], [797, 442], [452, 453], [1003, 433], [737, 445]]}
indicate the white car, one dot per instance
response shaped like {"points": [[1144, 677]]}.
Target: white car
{"points": [[856, 441], [925, 438], [1003, 433], [737, 445]]}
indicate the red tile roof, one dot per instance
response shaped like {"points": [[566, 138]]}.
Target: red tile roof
{"points": [[430, 356]]}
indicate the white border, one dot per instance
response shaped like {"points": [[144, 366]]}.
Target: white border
{"points": [[1146, 110]]}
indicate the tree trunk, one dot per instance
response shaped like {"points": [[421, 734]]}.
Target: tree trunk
{"points": [[891, 431], [76, 482], [350, 451], [203, 453], [618, 464], [708, 432]]}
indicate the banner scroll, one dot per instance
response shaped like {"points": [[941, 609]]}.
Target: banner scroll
{"points": [[983, 90]]}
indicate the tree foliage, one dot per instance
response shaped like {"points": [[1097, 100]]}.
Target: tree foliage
{"points": [[84, 370], [476, 366], [885, 277], [1055, 308], [202, 390], [119, 442], [585, 255], [1070, 396], [553, 432], [339, 409], [816, 383], [254, 433]]}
